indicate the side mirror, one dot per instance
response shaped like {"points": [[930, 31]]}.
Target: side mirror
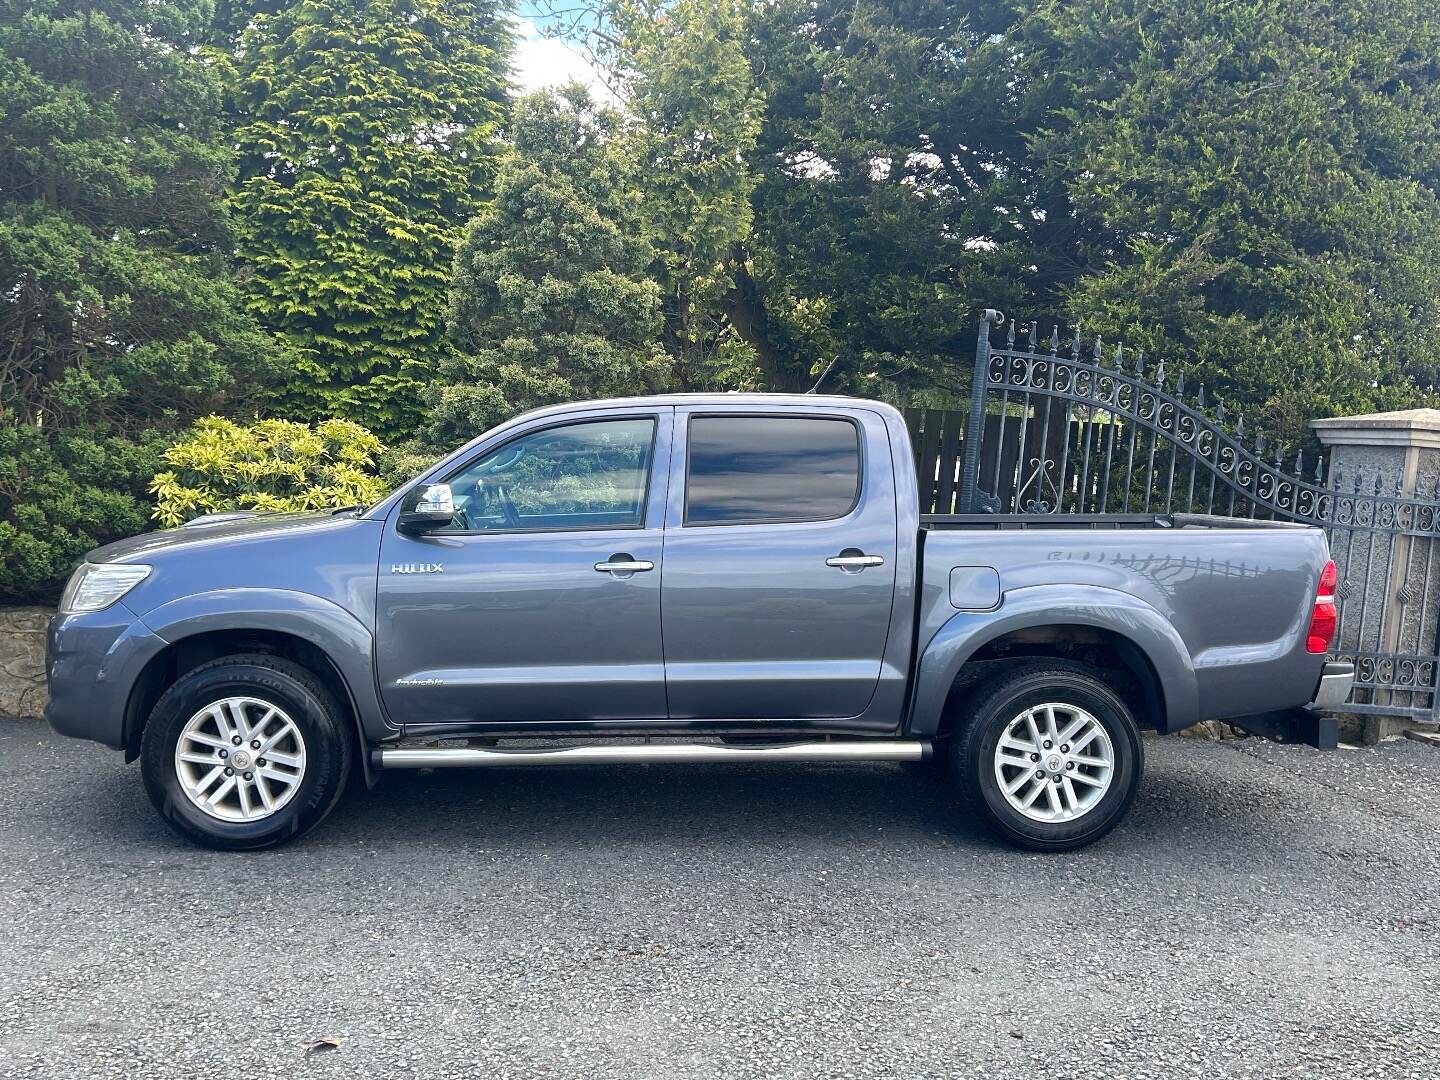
{"points": [[426, 508]]}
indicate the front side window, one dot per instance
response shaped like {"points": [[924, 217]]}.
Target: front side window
{"points": [[590, 475], [746, 470]]}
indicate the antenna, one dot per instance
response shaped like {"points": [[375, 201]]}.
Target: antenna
{"points": [[824, 373]]}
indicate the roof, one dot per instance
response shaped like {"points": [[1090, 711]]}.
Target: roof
{"points": [[755, 400], [731, 397]]}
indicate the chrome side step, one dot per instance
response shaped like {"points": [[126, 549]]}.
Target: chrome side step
{"points": [[652, 753]]}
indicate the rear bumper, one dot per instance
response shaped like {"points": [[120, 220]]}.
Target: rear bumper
{"points": [[1335, 682]]}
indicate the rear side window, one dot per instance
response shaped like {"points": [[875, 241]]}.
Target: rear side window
{"points": [[746, 470]]}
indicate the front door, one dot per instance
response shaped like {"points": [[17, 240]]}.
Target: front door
{"points": [[779, 563], [541, 602]]}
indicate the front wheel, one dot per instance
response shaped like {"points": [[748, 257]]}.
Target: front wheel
{"points": [[1049, 757], [246, 752]]}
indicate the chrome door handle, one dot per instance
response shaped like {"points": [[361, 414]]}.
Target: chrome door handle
{"points": [[855, 562], [625, 566]]}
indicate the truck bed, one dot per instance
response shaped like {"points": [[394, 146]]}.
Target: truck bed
{"points": [[1238, 593]]}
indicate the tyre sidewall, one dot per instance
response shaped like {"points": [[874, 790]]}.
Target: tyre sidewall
{"points": [[326, 762], [994, 716]]}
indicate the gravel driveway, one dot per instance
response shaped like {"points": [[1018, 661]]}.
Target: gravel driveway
{"points": [[1266, 911]]}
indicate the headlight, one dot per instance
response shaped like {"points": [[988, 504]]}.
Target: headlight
{"points": [[98, 585]]}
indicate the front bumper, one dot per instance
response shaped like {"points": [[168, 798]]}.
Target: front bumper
{"points": [[92, 661]]}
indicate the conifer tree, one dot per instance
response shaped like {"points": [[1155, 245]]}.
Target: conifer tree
{"points": [[367, 135], [118, 317], [552, 299]]}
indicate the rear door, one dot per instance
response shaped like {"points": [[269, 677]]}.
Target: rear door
{"points": [[542, 601], [779, 571]]}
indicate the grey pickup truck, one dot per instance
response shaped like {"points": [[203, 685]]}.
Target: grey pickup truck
{"points": [[696, 578]]}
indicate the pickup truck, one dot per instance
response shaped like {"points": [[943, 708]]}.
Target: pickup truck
{"points": [[690, 578]]}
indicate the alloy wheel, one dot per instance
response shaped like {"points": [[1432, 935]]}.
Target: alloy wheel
{"points": [[240, 759], [1054, 762]]}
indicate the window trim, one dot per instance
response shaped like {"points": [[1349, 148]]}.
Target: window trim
{"points": [[686, 523], [654, 419]]}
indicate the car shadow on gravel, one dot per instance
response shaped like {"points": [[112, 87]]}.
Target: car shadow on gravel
{"points": [[697, 805], [682, 804], [855, 806]]}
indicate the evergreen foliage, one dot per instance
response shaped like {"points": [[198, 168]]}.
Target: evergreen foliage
{"points": [[118, 317], [551, 299], [1247, 188], [367, 136], [1265, 173], [698, 114], [896, 196]]}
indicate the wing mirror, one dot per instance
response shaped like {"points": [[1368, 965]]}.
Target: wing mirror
{"points": [[426, 508]]}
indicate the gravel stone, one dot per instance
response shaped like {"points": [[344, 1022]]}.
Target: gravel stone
{"points": [[1266, 911]]}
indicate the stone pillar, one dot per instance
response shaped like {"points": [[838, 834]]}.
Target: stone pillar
{"points": [[1390, 582], [22, 661]]}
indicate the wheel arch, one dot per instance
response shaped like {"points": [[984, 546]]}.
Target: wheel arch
{"points": [[318, 635], [1119, 630]]}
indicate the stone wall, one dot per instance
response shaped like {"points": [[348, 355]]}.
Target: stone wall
{"points": [[22, 660]]}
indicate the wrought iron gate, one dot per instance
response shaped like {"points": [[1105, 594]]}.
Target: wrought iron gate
{"points": [[1085, 429]]}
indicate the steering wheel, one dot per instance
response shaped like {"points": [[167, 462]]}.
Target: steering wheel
{"points": [[507, 508]]}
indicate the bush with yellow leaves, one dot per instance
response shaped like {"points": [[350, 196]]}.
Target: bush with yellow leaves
{"points": [[268, 465]]}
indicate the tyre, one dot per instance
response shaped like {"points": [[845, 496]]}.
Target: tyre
{"points": [[1048, 756], [246, 752]]}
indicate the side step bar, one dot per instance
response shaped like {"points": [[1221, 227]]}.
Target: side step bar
{"points": [[652, 753]]}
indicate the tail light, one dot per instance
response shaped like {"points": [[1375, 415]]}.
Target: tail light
{"points": [[1324, 619]]}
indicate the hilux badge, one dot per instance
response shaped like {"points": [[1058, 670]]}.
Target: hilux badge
{"points": [[417, 568]]}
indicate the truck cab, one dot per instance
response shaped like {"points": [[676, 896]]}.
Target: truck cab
{"points": [[539, 603]]}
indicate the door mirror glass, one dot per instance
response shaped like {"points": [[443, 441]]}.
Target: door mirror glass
{"points": [[427, 508]]}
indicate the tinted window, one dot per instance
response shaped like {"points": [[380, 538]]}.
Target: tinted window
{"points": [[746, 469], [581, 476]]}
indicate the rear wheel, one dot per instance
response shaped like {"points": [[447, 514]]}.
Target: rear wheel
{"points": [[1049, 757], [246, 752]]}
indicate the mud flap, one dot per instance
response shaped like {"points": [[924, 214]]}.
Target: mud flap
{"points": [[1294, 726]]}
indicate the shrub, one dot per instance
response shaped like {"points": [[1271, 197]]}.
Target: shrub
{"points": [[269, 465], [367, 137], [551, 298], [400, 464], [61, 494]]}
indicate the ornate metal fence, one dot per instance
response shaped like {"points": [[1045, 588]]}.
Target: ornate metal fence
{"points": [[1088, 429]]}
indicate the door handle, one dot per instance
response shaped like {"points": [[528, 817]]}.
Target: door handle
{"points": [[855, 562], [621, 563]]}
